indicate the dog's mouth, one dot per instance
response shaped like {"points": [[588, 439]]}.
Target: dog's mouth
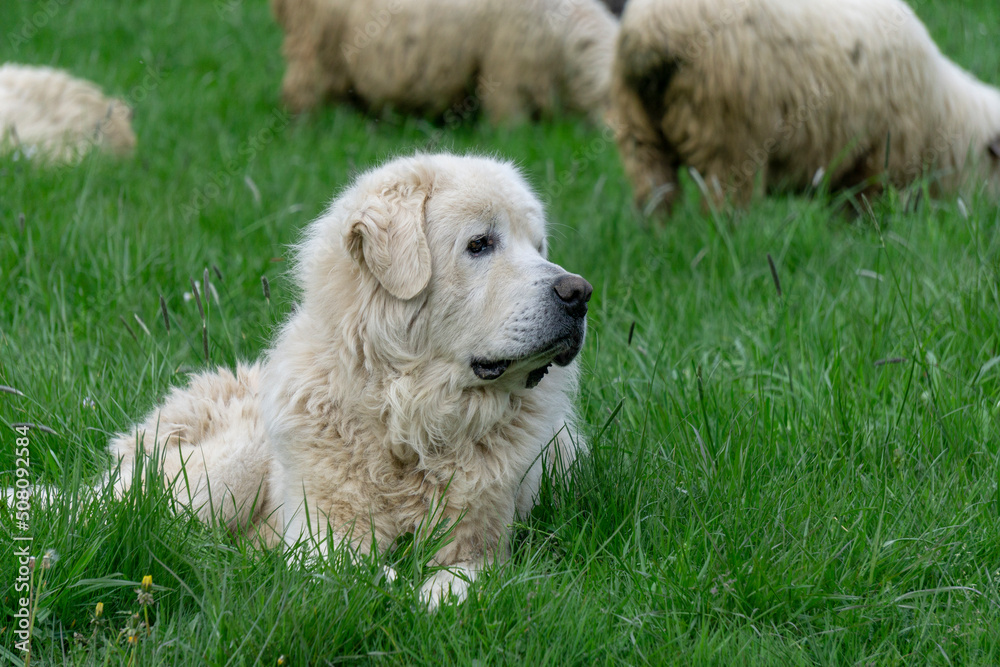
{"points": [[490, 370], [561, 353], [535, 376]]}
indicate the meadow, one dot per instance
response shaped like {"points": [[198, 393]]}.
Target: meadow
{"points": [[793, 410]]}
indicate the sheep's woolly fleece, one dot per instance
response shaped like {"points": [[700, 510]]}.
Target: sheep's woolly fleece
{"points": [[48, 114], [430, 364], [449, 59], [755, 94]]}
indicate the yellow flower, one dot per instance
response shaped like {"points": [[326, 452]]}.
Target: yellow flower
{"points": [[147, 582], [98, 610], [282, 660]]}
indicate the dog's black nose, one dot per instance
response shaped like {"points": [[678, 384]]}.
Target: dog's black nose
{"points": [[574, 293]]}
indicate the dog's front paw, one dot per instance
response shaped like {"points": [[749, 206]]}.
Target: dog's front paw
{"points": [[445, 585]]}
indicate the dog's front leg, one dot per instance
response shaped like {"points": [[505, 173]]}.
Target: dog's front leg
{"points": [[479, 536], [451, 582]]}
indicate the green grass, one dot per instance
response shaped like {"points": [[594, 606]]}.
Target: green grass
{"points": [[808, 478]]}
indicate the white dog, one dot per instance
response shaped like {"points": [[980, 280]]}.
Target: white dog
{"points": [[429, 365]]}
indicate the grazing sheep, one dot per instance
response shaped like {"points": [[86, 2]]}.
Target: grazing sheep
{"points": [[48, 113], [448, 58], [754, 94]]}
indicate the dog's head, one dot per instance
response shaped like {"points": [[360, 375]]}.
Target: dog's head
{"points": [[449, 272]]}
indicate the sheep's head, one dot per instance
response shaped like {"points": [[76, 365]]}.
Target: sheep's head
{"points": [[991, 166]]}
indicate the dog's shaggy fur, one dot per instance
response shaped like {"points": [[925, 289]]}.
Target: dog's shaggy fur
{"points": [[405, 380], [447, 58], [47, 113], [768, 92]]}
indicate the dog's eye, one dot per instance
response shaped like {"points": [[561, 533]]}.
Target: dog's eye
{"points": [[480, 244]]}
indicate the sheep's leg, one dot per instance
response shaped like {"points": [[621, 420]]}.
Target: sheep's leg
{"points": [[300, 88], [726, 181], [504, 99], [648, 158], [318, 61], [865, 177]]}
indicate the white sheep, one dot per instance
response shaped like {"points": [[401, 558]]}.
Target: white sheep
{"points": [[48, 114], [449, 57], [761, 93]]}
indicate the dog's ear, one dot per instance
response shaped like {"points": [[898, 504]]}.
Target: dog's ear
{"points": [[994, 148], [387, 236]]}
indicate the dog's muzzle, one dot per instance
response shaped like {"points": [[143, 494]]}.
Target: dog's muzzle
{"points": [[571, 294]]}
